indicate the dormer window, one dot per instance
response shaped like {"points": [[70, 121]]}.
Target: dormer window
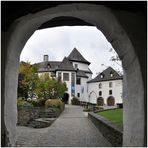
{"points": [[48, 66], [102, 76], [111, 74], [76, 66]]}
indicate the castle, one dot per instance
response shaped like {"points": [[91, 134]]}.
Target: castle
{"points": [[105, 89]]}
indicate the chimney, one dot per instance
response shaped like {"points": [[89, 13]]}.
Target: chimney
{"points": [[45, 58]]}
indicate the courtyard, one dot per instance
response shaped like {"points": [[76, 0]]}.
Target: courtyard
{"points": [[72, 129]]}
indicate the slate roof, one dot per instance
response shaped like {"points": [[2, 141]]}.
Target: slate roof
{"points": [[76, 56], [81, 73], [106, 76], [48, 66], [65, 65]]}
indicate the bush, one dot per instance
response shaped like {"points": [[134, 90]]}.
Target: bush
{"points": [[75, 101], [57, 103], [38, 102], [21, 103]]}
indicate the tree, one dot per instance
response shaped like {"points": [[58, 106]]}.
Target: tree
{"points": [[27, 80], [49, 88], [116, 62], [115, 58]]}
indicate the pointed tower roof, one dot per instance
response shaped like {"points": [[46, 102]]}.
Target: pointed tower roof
{"points": [[65, 65], [106, 75], [76, 56]]}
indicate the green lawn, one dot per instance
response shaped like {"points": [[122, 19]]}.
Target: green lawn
{"points": [[115, 116]]}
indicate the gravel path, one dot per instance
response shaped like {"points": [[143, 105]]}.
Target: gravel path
{"points": [[71, 129]]}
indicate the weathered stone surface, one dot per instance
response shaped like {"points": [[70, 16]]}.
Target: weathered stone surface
{"points": [[27, 116], [109, 130]]}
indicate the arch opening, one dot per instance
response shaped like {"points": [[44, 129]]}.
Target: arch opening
{"points": [[110, 101], [100, 101], [65, 98], [114, 33]]}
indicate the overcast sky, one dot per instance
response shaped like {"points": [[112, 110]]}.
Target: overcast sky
{"points": [[58, 42]]}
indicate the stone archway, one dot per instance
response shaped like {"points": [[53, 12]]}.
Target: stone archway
{"points": [[92, 97], [104, 20], [100, 101], [110, 101]]}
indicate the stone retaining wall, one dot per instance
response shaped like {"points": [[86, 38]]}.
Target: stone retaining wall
{"points": [[28, 114], [109, 130]]}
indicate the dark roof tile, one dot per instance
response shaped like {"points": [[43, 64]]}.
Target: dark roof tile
{"points": [[75, 55], [81, 73], [65, 65], [47, 66], [106, 76]]}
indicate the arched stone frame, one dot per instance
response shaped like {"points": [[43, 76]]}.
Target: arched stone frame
{"points": [[100, 101], [105, 21], [110, 101], [90, 94]]}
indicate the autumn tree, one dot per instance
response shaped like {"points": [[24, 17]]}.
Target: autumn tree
{"points": [[27, 80]]}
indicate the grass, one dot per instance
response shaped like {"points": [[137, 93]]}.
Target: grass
{"points": [[115, 115]]}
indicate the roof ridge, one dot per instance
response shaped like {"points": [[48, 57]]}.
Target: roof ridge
{"points": [[75, 55]]}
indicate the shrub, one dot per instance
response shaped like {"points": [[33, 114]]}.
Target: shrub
{"points": [[21, 103], [57, 103], [75, 101], [38, 102]]}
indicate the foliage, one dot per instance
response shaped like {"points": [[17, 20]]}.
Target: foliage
{"points": [[57, 103], [114, 115], [48, 88], [27, 80], [43, 87], [75, 101], [38, 102], [21, 103]]}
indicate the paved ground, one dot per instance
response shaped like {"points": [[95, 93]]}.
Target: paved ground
{"points": [[71, 129]]}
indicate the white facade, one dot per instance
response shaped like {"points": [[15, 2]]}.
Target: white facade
{"points": [[114, 90], [81, 66], [68, 82], [84, 87], [81, 90]]}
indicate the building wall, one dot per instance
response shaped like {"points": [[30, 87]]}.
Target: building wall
{"points": [[68, 83], [116, 91], [81, 66], [82, 90], [92, 92], [89, 76]]}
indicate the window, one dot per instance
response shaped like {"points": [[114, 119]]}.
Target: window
{"points": [[110, 92], [59, 76], [65, 76], [100, 93], [76, 66], [110, 84], [111, 74], [100, 85], [48, 66], [78, 95], [102, 75], [78, 82]]}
